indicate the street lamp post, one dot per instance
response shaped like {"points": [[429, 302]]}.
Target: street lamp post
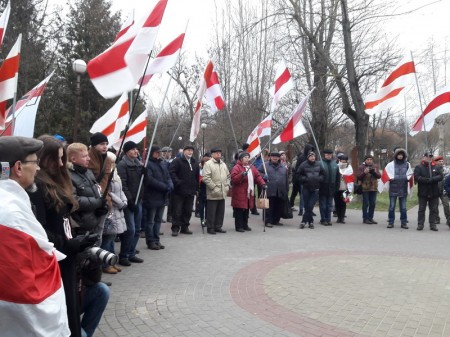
{"points": [[79, 67], [203, 126]]}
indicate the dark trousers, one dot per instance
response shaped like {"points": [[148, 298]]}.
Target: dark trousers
{"points": [[182, 211], [340, 205], [295, 191], [309, 200], [433, 204], [240, 218], [170, 207], [215, 210], [273, 214], [202, 206]]}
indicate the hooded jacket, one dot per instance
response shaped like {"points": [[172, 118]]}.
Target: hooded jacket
{"points": [[398, 187], [301, 157]]}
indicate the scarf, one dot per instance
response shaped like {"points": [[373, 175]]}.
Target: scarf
{"points": [[250, 180]]}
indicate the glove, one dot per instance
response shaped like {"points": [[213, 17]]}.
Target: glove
{"points": [[86, 241], [144, 170], [265, 177], [244, 174], [264, 187]]}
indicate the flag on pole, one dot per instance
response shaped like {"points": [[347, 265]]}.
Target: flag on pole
{"points": [[129, 21], [210, 88], [9, 73], [112, 123], [137, 130], [32, 297], [439, 105], [283, 84], [262, 129], [165, 60], [118, 69], [25, 111], [389, 173], [389, 93], [4, 22], [294, 127]]}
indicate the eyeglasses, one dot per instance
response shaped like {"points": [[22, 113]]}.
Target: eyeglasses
{"points": [[31, 161]]}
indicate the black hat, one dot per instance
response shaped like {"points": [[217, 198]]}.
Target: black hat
{"points": [[98, 138], [311, 153], [274, 154], [215, 149], [187, 147], [328, 151], [154, 148], [343, 157], [14, 148], [245, 146], [130, 145], [243, 154], [367, 156]]}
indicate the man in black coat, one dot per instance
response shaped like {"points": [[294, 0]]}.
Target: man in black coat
{"points": [[296, 185], [328, 187], [184, 174], [427, 176]]}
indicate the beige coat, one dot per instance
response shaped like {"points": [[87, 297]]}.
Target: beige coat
{"points": [[217, 179]]}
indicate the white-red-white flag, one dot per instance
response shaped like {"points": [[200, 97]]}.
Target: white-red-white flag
{"points": [[25, 111], [262, 129], [129, 21], [4, 22], [9, 73], [32, 300], [165, 59], [209, 87], [137, 130], [294, 127], [439, 105], [389, 94], [389, 173], [114, 121], [283, 84], [119, 68]]}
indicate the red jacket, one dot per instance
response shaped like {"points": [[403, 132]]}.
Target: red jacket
{"points": [[239, 197]]}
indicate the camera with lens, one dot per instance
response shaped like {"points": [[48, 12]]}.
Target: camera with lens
{"points": [[104, 256]]}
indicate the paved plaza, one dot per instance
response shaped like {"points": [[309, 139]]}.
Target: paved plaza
{"points": [[349, 279]]}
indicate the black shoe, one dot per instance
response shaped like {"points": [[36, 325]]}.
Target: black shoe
{"points": [[247, 229], [323, 222], [153, 246], [433, 228], [328, 224], [340, 220], [161, 246], [311, 226], [302, 225], [211, 231], [186, 231], [269, 225], [220, 230], [240, 230], [367, 221], [300, 213], [135, 259], [373, 221], [334, 215], [420, 227], [124, 262], [174, 233], [278, 224], [404, 226], [391, 225], [255, 213]]}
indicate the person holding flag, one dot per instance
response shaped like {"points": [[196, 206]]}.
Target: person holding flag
{"points": [[343, 194]]}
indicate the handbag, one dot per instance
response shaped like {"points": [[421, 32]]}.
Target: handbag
{"points": [[287, 210], [109, 227], [262, 202]]}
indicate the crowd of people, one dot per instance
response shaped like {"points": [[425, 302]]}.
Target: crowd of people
{"points": [[72, 203]]}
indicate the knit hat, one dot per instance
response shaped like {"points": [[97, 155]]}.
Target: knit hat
{"points": [[311, 153], [343, 157], [243, 154], [130, 145], [367, 156], [188, 147], [98, 138]]}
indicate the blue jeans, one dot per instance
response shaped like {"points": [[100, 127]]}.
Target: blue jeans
{"points": [[369, 201], [309, 200], [402, 205], [153, 226], [325, 207], [108, 244], [94, 303], [130, 238]]}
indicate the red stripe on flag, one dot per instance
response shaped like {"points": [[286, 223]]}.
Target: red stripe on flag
{"points": [[123, 109], [404, 69], [220, 104], [288, 132], [393, 93], [101, 65], [9, 68], [154, 20], [137, 128], [439, 100], [172, 47], [253, 145], [109, 129], [123, 31], [283, 79], [28, 274], [212, 80], [208, 73]]}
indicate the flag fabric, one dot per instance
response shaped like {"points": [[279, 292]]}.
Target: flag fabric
{"points": [[25, 110], [4, 22], [9, 73], [209, 87], [389, 94], [32, 300], [439, 105], [136, 132], [262, 129], [283, 84], [119, 68], [125, 26], [112, 123], [348, 176], [389, 173], [165, 59], [294, 127]]}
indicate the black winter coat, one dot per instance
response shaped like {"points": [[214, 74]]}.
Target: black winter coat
{"points": [[277, 184], [311, 175], [158, 184], [130, 172], [428, 185], [184, 176], [301, 158], [331, 179]]}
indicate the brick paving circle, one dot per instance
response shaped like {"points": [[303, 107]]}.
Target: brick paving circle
{"points": [[348, 294]]}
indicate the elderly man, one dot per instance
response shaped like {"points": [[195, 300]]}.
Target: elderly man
{"points": [[29, 260], [427, 176], [184, 174], [277, 188], [217, 180]]}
